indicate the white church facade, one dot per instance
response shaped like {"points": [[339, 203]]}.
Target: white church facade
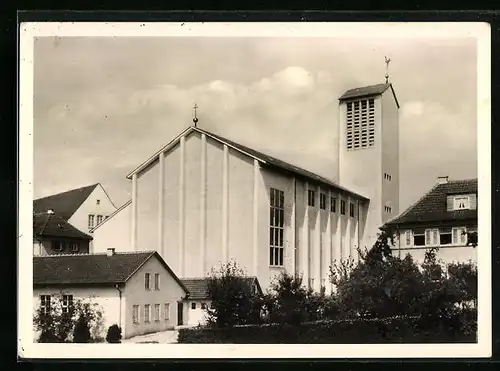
{"points": [[204, 199]]}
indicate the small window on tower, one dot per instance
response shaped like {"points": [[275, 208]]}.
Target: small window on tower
{"points": [[98, 202]]}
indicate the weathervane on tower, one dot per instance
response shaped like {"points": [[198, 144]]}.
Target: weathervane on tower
{"points": [[387, 61], [195, 118]]}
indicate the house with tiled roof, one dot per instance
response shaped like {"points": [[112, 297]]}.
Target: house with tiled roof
{"points": [[54, 235], [444, 217], [137, 291], [83, 207], [198, 299]]}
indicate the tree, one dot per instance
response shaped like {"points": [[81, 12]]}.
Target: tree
{"points": [[81, 332], [232, 296]]}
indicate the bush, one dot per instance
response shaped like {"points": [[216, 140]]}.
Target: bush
{"points": [[114, 334], [233, 301], [81, 333], [403, 329], [58, 324]]}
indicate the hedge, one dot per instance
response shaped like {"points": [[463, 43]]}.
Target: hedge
{"points": [[457, 329]]}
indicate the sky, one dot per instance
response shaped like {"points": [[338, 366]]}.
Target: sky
{"points": [[103, 105]]}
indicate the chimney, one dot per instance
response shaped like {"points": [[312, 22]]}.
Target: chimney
{"points": [[50, 211], [442, 179], [111, 251]]}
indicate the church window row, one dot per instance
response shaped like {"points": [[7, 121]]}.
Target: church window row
{"points": [[387, 177], [360, 122], [311, 197]]}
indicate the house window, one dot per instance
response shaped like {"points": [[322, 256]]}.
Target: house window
{"points": [[57, 245], [342, 207], [135, 314], [459, 236], [157, 312], [147, 314], [157, 282], [431, 237], [276, 228], [445, 236], [67, 303], [351, 210], [419, 238], [203, 306], [91, 221], [360, 122], [99, 219], [75, 247], [147, 278], [461, 203], [408, 238], [310, 197], [45, 304], [98, 202], [333, 204], [388, 209], [166, 311], [322, 201], [193, 305]]}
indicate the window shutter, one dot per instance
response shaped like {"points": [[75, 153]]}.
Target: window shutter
{"points": [[408, 238], [463, 236], [455, 236], [427, 237], [435, 236]]}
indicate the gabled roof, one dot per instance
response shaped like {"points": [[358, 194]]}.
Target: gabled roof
{"points": [[51, 225], [367, 91], [111, 215], [65, 204], [92, 269], [198, 287], [263, 159], [432, 207]]}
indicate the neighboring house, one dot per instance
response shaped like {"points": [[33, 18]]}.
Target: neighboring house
{"points": [[198, 299], [204, 199], [441, 218], [114, 231], [83, 207], [138, 291], [54, 235]]}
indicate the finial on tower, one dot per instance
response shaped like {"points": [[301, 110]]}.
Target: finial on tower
{"points": [[195, 118], [387, 61]]}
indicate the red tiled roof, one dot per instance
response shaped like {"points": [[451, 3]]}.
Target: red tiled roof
{"points": [[432, 207], [92, 269], [51, 225], [198, 287], [64, 204]]}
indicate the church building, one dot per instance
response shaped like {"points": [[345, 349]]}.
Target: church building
{"points": [[204, 199]]}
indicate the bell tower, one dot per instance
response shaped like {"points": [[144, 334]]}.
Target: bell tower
{"points": [[369, 153]]}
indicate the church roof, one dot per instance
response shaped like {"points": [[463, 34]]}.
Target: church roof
{"points": [[264, 159], [64, 204], [432, 207], [367, 91], [92, 269], [51, 225]]}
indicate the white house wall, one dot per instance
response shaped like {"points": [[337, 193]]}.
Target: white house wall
{"points": [[105, 208], [114, 233], [136, 294]]}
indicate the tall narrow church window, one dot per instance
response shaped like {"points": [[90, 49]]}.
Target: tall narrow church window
{"points": [[311, 195], [276, 228], [333, 205], [351, 210], [322, 201], [360, 124], [342, 207]]}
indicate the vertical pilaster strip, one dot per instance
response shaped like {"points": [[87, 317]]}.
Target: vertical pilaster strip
{"points": [[348, 236], [356, 230], [255, 230], [317, 242], [161, 206], [225, 204], [304, 256], [338, 237], [181, 204], [292, 246], [328, 244], [203, 202], [133, 229]]}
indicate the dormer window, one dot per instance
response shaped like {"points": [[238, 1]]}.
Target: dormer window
{"points": [[461, 203]]}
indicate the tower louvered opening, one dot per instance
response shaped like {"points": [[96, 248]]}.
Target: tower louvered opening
{"points": [[360, 124]]}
